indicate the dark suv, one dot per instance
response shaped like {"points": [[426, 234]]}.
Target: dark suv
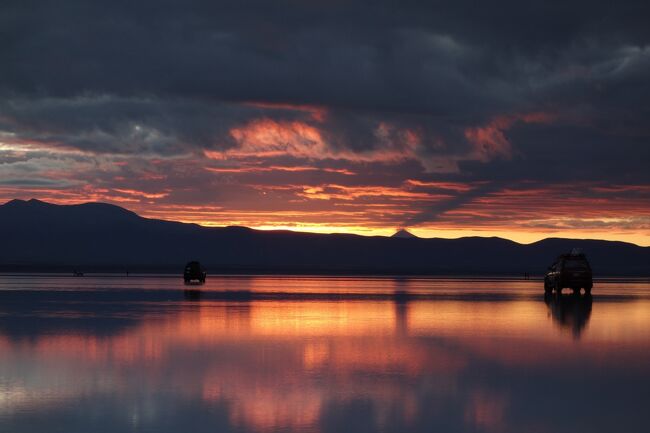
{"points": [[194, 272], [569, 270]]}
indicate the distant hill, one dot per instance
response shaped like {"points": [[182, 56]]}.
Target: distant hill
{"points": [[95, 236], [404, 234]]}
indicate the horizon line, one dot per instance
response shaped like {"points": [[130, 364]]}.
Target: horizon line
{"points": [[331, 230]]}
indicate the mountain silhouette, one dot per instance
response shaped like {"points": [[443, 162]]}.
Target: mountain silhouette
{"points": [[404, 234], [96, 236]]}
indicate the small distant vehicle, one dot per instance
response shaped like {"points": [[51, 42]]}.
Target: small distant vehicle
{"points": [[194, 272], [570, 270]]}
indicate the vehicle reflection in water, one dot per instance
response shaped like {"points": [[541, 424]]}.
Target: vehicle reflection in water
{"points": [[192, 294], [570, 311], [401, 355]]}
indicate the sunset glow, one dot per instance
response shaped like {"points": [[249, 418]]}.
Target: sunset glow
{"points": [[324, 216], [298, 175], [524, 213], [430, 135]]}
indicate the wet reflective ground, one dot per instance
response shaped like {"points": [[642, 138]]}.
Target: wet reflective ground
{"points": [[263, 354]]}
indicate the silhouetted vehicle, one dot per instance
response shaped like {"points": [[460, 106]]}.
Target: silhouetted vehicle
{"points": [[76, 273], [569, 270], [194, 272]]}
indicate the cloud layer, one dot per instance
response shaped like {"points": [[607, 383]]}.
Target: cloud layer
{"points": [[448, 117]]}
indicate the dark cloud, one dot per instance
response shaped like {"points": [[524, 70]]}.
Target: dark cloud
{"points": [[439, 57], [442, 58], [32, 182], [435, 211]]}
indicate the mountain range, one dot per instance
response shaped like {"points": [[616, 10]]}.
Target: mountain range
{"points": [[40, 236]]}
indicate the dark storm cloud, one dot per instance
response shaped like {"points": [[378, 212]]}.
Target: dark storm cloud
{"points": [[108, 124], [441, 57], [32, 182]]}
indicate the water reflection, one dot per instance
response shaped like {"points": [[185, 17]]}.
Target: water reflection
{"points": [[192, 294], [408, 360], [570, 311]]}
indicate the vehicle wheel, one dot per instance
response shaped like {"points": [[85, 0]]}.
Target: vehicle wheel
{"points": [[547, 287]]}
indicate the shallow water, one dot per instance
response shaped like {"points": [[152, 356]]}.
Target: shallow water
{"points": [[262, 354]]}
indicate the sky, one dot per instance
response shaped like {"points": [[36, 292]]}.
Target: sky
{"points": [[523, 120]]}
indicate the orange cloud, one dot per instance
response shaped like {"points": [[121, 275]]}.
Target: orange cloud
{"points": [[490, 141], [137, 193], [261, 169], [266, 138], [341, 192], [317, 113], [454, 186]]}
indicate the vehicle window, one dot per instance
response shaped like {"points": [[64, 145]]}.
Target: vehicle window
{"points": [[575, 264]]}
